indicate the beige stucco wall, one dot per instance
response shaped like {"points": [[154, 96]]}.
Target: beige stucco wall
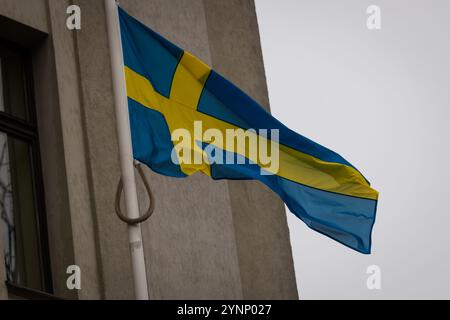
{"points": [[207, 239]]}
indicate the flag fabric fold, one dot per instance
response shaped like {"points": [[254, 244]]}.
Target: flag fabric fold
{"points": [[169, 89]]}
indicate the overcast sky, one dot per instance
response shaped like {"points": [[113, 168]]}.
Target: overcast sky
{"points": [[381, 99]]}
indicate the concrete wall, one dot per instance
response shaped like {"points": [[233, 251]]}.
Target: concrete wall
{"points": [[31, 13], [207, 239]]}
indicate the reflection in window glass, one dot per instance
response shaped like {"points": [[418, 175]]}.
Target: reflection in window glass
{"points": [[6, 209], [18, 223]]}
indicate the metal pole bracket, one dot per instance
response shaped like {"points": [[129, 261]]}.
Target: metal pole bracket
{"points": [[151, 207]]}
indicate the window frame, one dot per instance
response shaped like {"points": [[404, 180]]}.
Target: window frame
{"points": [[27, 131]]}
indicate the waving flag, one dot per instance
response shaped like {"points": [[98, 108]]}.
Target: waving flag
{"points": [[169, 89]]}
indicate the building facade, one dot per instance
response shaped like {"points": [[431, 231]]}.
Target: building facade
{"points": [[60, 166]]}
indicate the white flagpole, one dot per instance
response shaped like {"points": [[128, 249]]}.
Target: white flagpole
{"points": [[125, 150]]}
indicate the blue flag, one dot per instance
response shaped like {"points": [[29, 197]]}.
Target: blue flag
{"points": [[172, 96]]}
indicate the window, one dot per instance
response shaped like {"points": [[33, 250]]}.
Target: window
{"points": [[23, 231]]}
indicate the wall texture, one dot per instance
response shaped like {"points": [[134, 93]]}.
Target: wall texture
{"points": [[207, 239]]}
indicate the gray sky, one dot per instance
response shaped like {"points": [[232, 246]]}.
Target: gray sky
{"points": [[381, 99]]}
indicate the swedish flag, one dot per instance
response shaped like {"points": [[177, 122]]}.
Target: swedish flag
{"points": [[169, 89]]}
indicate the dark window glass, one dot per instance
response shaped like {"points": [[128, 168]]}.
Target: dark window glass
{"points": [[13, 95], [17, 212], [2, 103], [23, 232]]}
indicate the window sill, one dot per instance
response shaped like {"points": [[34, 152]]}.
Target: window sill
{"points": [[28, 294]]}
